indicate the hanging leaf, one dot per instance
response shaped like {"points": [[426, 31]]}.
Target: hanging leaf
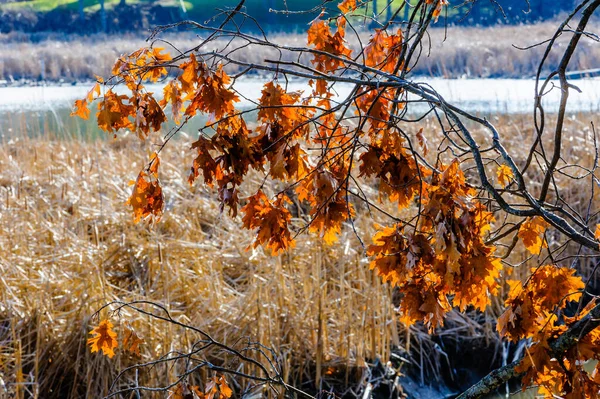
{"points": [[505, 175], [531, 233], [147, 197], [132, 341], [104, 339]]}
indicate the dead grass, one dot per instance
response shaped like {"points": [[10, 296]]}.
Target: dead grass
{"points": [[465, 52], [82, 58], [491, 52], [68, 246]]}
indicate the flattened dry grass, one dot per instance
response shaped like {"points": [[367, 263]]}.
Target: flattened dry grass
{"points": [[68, 245], [452, 53]]}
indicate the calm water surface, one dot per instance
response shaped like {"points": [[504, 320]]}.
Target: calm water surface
{"points": [[43, 110]]}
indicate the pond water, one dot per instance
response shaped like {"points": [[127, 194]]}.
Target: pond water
{"points": [[43, 110]]}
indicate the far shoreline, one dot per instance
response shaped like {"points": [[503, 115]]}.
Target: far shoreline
{"points": [[73, 59]]}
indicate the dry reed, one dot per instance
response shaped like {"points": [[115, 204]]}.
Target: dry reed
{"points": [[68, 246], [452, 53]]}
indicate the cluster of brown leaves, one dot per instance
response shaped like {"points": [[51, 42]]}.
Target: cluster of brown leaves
{"points": [[400, 178], [147, 196], [216, 388], [139, 111], [271, 220], [537, 311], [319, 36], [448, 241], [105, 339], [383, 51], [529, 307], [445, 262]]}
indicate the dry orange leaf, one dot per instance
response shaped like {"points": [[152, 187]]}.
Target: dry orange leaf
{"points": [[272, 221], [218, 388], [531, 233], [505, 175], [104, 339], [147, 197], [80, 107], [347, 6]]}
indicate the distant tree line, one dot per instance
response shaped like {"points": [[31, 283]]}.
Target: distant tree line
{"points": [[489, 12], [143, 15]]}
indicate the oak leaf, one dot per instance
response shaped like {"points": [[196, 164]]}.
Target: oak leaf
{"points": [[147, 197], [347, 6], [217, 388], [319, 35], [132, 341], [113, 114], [172, 93], [80, 108], [213, 95], [271, 219], [154, 64], [505, 175], [531, 233], [383, 51], [104, 339]]}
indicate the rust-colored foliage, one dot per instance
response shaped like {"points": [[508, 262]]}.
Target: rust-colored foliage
{"points": [[132, 341], [532, 312], [113, 112], [347, 6], [383, 51], [400, 179], [505, 175], [271, 219], [319, 36], [80, 108], [531, 233], [147, 197], [448, 257], [217, 388], [104, 339], [529, 307]]}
